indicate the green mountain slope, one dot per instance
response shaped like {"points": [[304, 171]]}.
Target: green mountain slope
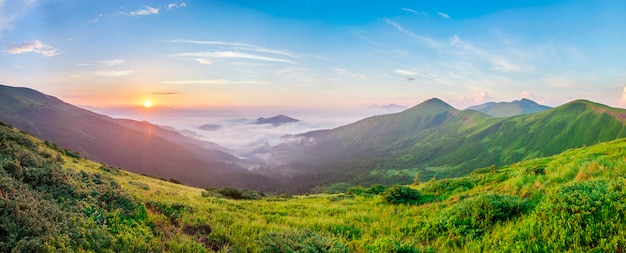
{"points": [[438, 141], [137, 146], [508, 109], [570, 202]]}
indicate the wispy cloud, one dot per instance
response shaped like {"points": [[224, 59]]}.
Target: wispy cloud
{"points": [[422, 13], [345, 72], [237, 45], [204, 61], [143, 12], [405, 72], [176, 5], [108, 63], [33, 47], [622, 101], [214, 81], [13, 9], [499, 63], [443, 15], [114, 73], [234, 55], [421, 39]]}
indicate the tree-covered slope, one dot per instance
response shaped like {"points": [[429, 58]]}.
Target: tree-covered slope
{"points": [[443, 142]]}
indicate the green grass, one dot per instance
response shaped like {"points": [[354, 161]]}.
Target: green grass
{"points": [[574, 201]]}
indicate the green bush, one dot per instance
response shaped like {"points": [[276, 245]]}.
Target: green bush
{"points": [[299, 241], [576, 216], [233, 193], [473, 216], [402, 195]]}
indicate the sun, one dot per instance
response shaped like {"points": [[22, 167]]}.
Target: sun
{"points": [[147, 103]]}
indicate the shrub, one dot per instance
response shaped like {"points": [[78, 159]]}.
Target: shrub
{"points": [[299, 241], [472, 216], [448, 186], [584, 215], [232, 193], [402, 195]]}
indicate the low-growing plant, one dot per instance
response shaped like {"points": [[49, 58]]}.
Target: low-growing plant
{"points": [[299, 241], [402, 195]]}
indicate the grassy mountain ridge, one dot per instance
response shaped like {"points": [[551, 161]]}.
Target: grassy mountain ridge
{"points": [[573, 201], [408, 142]]}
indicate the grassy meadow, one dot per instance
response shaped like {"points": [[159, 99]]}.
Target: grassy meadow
{"points": [[574, 201]]}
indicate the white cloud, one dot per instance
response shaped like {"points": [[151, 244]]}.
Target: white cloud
{"points": [[108, 63], [204, 61], [176, 6], [474, 99], [214, 81], [423, 13], [238, 45], [34, 47], [443, 15], [234, 55], [622, 101], [114, 73], [405, 72], [424, 40], [143, 12]]}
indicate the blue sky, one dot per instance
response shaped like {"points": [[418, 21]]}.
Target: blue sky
{"points": [[314, 53]]}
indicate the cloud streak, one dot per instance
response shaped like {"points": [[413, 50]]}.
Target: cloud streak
{"points": [[234, 55], [146, 11], [214, 82], [114, 73], [33, 47], [498, 63], [176, 6], [108, 63], [238, 45], [422, 13], [429, 42], [443, 15]]}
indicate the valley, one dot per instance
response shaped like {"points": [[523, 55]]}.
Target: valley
{"points": [[488, 210]]}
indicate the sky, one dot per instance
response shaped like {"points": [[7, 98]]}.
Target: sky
{"points": [[314, 54]]}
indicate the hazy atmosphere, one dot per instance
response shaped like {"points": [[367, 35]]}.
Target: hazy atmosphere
{"points": [[314, 54]]}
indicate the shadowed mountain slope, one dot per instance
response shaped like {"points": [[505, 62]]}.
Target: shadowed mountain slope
{"points": [[139, 147]]}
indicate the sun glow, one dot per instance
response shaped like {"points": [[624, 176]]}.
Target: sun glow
{"points": [[147, 103]]}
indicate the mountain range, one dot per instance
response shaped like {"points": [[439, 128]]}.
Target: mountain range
{"points": [[432, 139], [436, 140], [508, 109], [139, 147]]}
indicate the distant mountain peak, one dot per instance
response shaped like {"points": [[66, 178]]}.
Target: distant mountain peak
{"points": [[389, 107], [432, 105], [276, 120], [507, 109]]}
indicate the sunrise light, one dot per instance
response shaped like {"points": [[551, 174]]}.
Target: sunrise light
{"points": [[147, 103]]}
